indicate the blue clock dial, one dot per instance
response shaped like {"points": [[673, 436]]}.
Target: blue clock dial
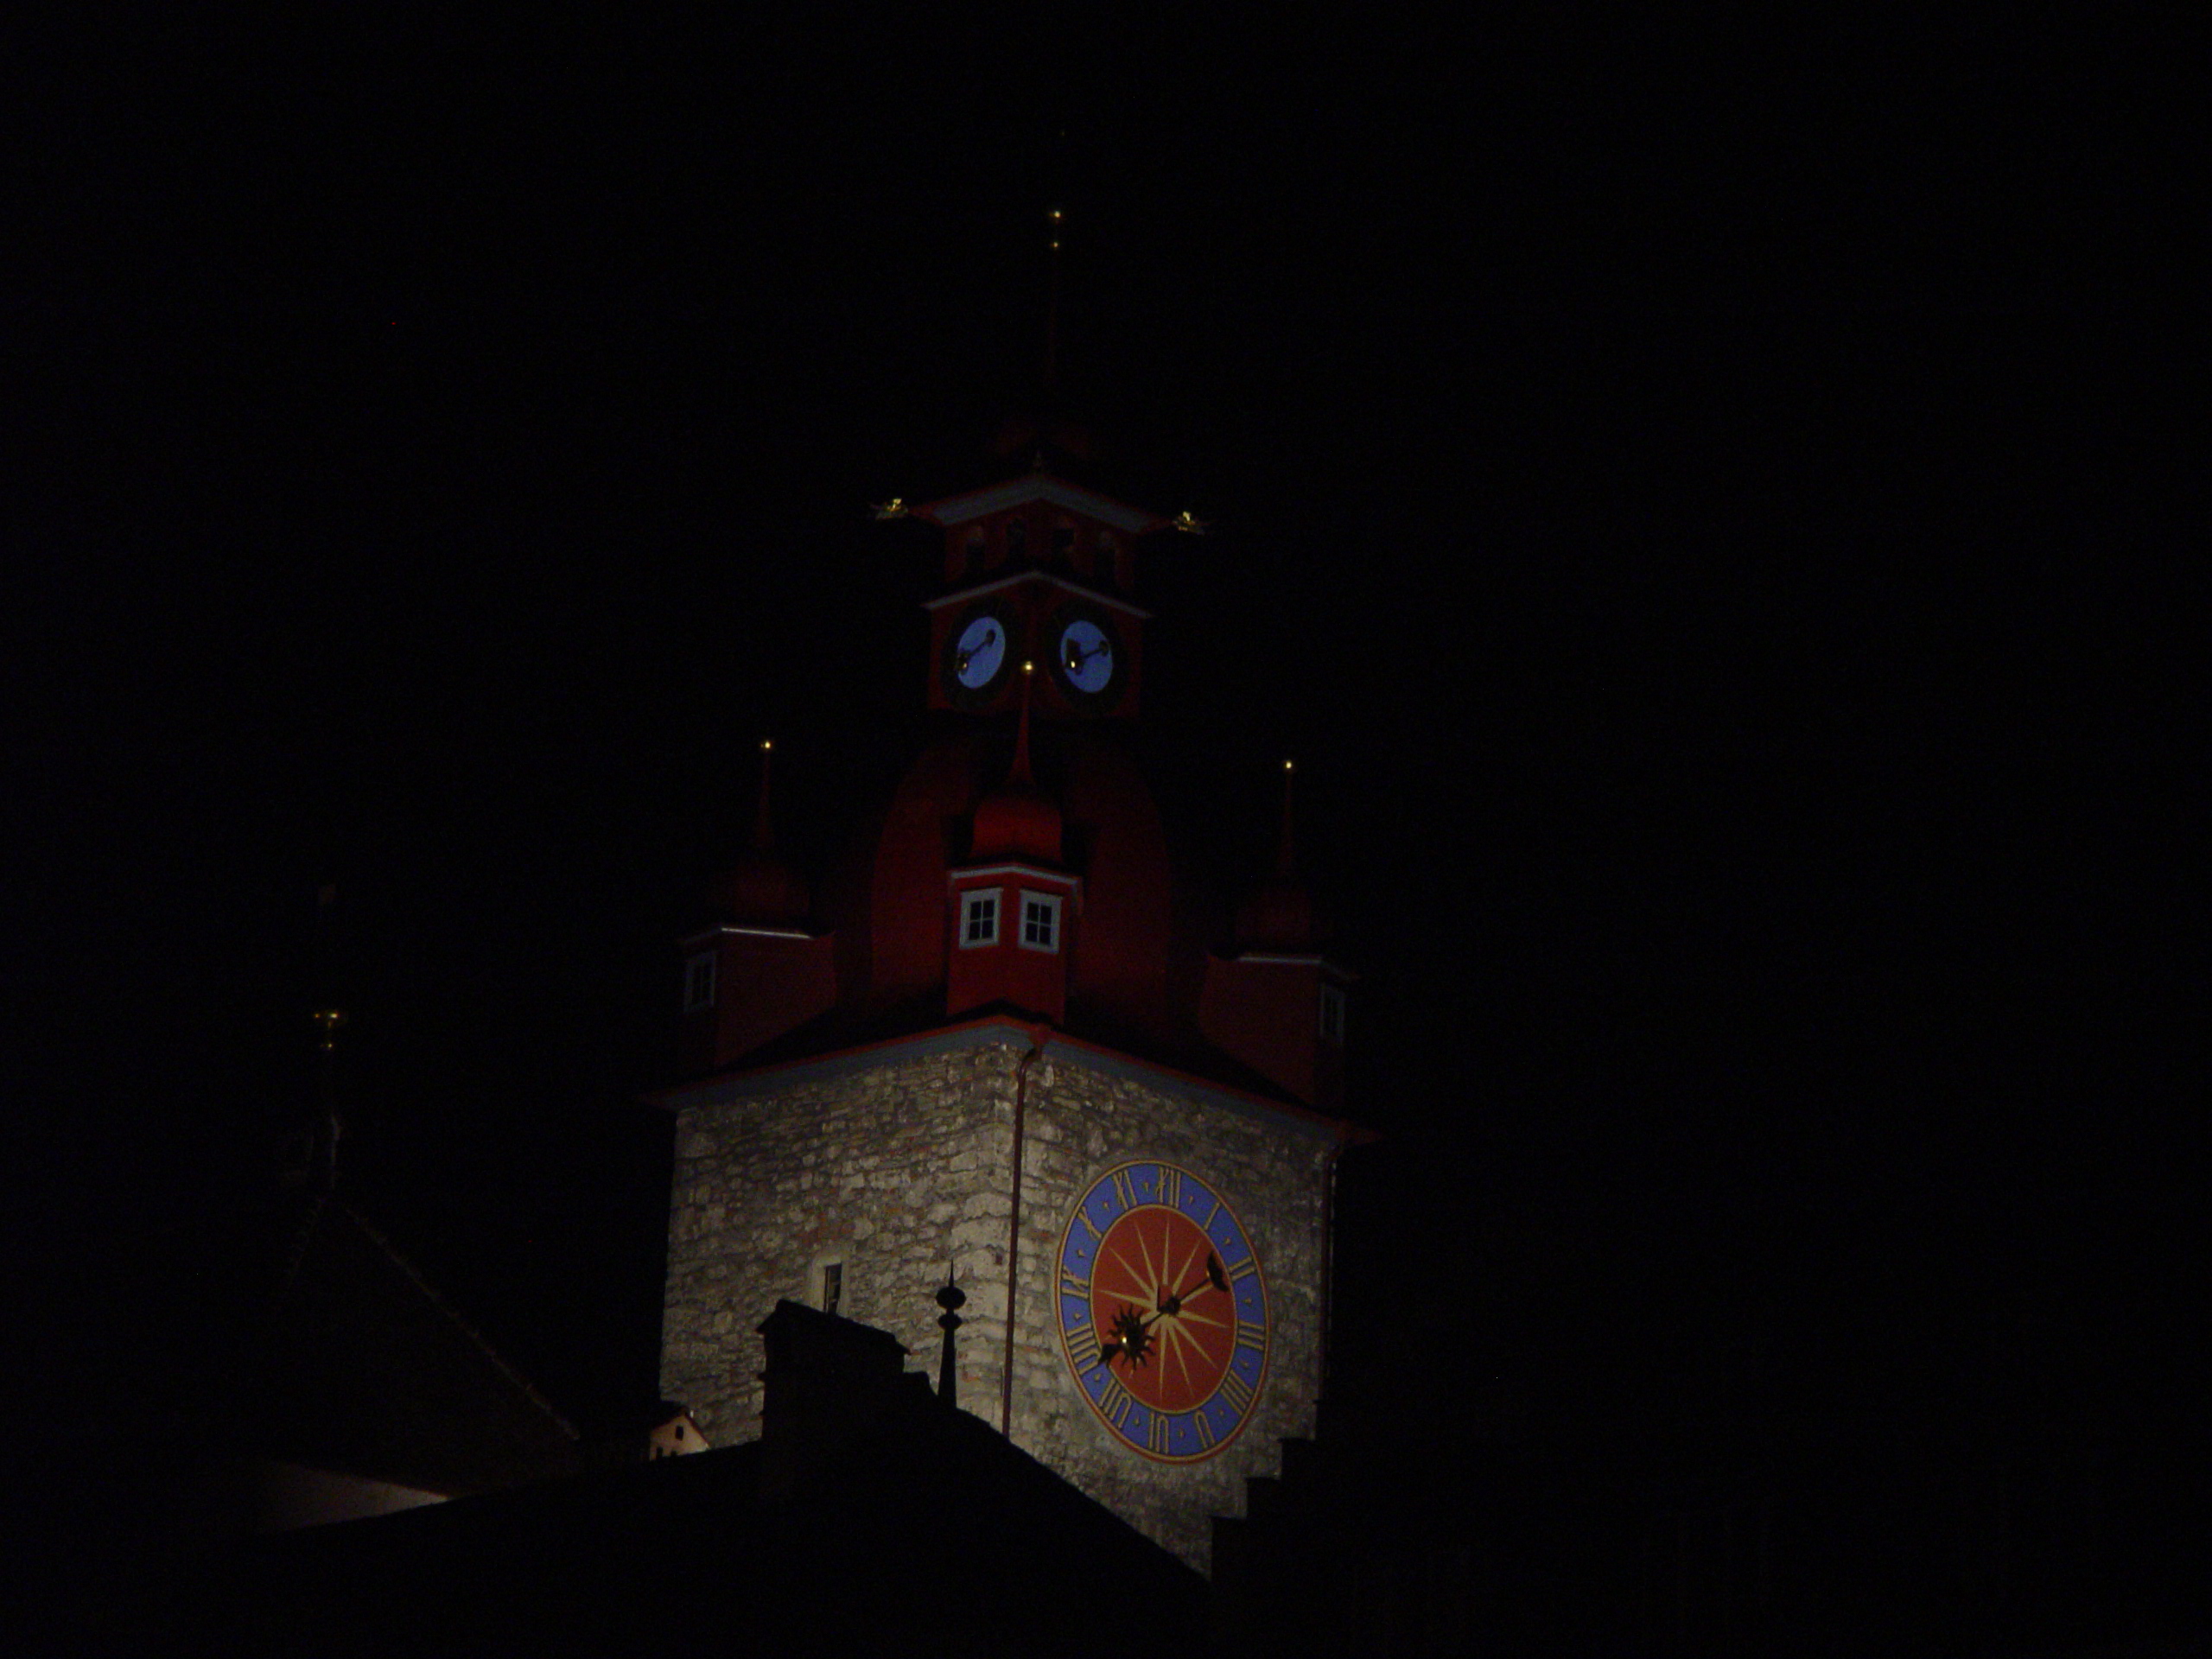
{"points": [[1086, 656], [979, 653], [1163, 1311]]}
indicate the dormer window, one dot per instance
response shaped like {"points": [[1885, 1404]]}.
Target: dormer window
{"points": [[699, 982], [1040, 921], [1064, 542], [979, 920], [1332, 1013], [1017, 539]]}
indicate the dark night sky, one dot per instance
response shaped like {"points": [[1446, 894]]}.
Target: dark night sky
{"points": [[1696, 503]]}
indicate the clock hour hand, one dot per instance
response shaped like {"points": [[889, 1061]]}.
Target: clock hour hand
{"points": [[967, 652], [1132, 1330], [1131, 1335]]}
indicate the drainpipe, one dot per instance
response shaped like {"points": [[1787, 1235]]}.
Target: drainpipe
{"points": [[1329, 1262], [1038, 1035]]}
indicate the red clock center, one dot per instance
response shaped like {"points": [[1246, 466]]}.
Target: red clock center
{"points": [[1163, 1314]]}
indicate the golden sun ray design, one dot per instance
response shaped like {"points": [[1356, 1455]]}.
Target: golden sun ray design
{"points": [[1149, 1277], [1183, 1268]]}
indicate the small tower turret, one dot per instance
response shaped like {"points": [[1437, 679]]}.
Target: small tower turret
{"points": [[759, 968], [1277, 1003], [1013, 902]]}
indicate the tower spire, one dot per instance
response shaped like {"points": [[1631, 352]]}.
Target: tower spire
{"points": [[1017, 820], [1020, 775], [759, 888], [764, 833], [1279, 914]]}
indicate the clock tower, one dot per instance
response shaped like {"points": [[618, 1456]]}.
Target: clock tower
{"points": [[1003, 1034]]}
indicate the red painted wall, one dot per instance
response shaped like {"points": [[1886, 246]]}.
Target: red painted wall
{"points": [[1035, 982], [763, 987], [1268, 1015], [1115, 835]]}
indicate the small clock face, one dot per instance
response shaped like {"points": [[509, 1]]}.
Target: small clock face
{"points": [[1087, 659], [1086, 656], [1163, 1311], [977, 654]]}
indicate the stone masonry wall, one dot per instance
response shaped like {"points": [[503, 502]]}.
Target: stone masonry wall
{"points": [[895, 1171], [898, 1169]]}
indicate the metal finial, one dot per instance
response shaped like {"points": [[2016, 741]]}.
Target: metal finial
{"points": [[1057, 220], [951, 1298]]}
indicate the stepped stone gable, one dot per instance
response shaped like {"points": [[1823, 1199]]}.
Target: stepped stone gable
{"points": [[895, 1168]]}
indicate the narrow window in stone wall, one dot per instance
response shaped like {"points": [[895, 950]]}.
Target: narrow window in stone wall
{"points": [[833, 1286], [699, 982], [1040, 921], [979, 922], [1332, 1014]]}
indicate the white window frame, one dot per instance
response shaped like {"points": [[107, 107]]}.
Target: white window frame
{"points": [[699, 970], [1051, 901], [1332, 1013], [995, 898], [836, 1253]]}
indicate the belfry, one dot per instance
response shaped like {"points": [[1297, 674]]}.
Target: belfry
{"points": [[1004, 1031]]}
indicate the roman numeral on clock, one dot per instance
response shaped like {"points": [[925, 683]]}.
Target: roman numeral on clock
{"points": [[1125, 1189], [1155, 1434], [1073, 1283], [1244, 1269], [1171, 1188], [1083, 1347], [1250, 1335], [1115, 1401], [1205, 1430], [1237, 1392]]}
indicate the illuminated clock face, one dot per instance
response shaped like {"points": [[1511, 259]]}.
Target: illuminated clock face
{"points": [[1086, 656], [1163, 1311], [979, 651]]}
